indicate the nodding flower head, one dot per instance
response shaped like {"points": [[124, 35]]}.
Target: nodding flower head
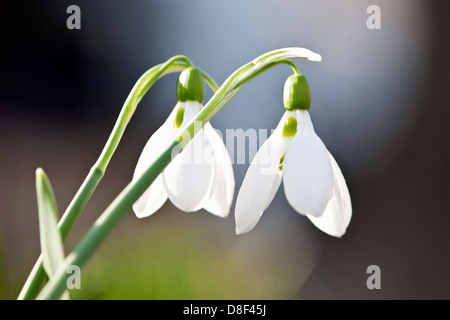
{"points": [[313, 183], [201, 176]]}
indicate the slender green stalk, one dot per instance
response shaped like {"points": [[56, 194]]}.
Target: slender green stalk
{"points": [[267, 67], [124, 201], [34, 280]]}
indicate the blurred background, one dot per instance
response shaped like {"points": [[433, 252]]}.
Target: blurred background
{"points": [[379, 102]]}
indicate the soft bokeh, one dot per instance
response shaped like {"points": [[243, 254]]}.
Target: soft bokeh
{"points": [[379, 103]]}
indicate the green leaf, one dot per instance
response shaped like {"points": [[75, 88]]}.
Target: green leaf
{"points": [[51, 241]]}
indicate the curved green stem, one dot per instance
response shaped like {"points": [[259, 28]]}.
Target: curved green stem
{"points": [[37, 274], [267, 67], [210, 81], [180, 57], [124, 201]]}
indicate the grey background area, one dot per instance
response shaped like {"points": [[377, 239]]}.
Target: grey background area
{"points": [[379, 102]]}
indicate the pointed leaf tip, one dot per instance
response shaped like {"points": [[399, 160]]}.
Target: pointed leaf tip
{"points": [[50, 237]]}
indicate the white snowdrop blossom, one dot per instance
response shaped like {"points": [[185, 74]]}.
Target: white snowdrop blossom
{"points": [[313, 183], [201, 176]]}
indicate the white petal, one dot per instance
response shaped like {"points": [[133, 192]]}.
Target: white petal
{"points": [[155, 196], [260, 184], [191, 108], [151, 200], [307, 171], [188, 178], [338, 212], [222, 194]]}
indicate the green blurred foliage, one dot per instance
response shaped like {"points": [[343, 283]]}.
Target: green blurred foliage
{"points": [[178, 263], [174, 255], [2, 272]]}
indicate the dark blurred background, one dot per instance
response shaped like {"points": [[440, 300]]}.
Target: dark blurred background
{"points": [[380, 104]]}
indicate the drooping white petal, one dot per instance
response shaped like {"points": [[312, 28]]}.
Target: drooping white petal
{"points": [[258, 189], [222, 194], [151, 200], [261, 182], [189, 177], [155, 196], [307, 171], [338, 212]]}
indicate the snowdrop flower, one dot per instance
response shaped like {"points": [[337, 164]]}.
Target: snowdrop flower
{"points": [[313, 183], [201, 176]]}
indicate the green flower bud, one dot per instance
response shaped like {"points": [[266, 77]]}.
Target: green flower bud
{"points": [[296, 95], [190, 86]]}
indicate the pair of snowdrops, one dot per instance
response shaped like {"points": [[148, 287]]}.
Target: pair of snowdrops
{"points": [[201, 176]]}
